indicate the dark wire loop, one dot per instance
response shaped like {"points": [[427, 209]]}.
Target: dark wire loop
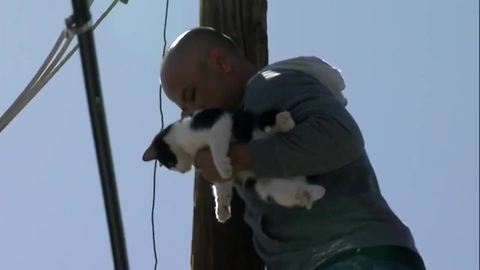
{"points": [[152, 214], [163, 124], [73, 28]]}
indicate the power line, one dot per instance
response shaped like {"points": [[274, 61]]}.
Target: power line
{"points": [[50, 66]]}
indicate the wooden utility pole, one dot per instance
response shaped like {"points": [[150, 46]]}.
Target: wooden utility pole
{"points": [[228, 246]]}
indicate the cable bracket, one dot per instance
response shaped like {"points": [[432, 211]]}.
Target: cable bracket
{"points": [[73, 28]]}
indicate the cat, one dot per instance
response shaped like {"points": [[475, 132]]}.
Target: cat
{"points": [[176, 145]]}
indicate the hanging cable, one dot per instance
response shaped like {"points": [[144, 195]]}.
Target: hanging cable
{"points": [[47, 74], [163, 55], [75, 48], [30, 91], [162, 126], [47, 70], [152, 215]]}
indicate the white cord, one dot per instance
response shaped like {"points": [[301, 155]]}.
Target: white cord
{"points": [[47, 70], [74, 49]]}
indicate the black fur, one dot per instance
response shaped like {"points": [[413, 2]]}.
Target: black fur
{"points": [[266, 119], [164, 154], [270, 199], [243, 124], [313, 179], [206, 118], [250, 182]]}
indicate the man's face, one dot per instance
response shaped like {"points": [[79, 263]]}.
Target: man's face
{"points": [[194, 83]]}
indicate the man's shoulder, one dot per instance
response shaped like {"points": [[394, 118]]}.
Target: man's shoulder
{"points": [[283, 70], [297, 71], [268, 80], [275, 88], [294, 62]]}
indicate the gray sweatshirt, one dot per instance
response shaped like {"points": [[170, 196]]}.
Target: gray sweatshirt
{"points": [[326, 145]]}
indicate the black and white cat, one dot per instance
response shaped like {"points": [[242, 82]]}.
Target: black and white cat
{"points": [[176, 146]]}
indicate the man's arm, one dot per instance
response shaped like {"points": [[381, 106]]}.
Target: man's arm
{"points": [[324, 139], [238, 154]]}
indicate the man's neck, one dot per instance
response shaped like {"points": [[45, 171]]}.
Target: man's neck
{"points": [[248, 72]]}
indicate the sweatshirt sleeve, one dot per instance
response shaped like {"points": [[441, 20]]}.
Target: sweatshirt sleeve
{"points": [[324, 139]]}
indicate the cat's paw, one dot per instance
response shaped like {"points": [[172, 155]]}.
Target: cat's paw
{"points": [[223, 213], [224, 168], [316, 192], [306, 197], [284, 121]]}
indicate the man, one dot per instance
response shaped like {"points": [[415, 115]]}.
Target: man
{"points": [[351, 227]]}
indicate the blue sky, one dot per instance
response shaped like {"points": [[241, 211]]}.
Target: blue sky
{"points": [[411, 69]]}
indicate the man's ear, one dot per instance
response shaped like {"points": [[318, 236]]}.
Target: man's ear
{"points": [[150, 154], [218, 59]]}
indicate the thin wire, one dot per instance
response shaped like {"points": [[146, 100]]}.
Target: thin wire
{"points": [[43, 67], [165, 29], [47, 74], [27, 94], [163, 55], [152, 214], [162, 126]]}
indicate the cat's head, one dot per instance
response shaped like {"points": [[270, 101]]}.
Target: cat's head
{"points": [[168, 153]]}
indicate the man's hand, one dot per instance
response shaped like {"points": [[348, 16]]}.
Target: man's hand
{"points": [[238, 154]]}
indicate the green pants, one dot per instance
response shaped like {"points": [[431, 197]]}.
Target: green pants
{"points": [[361, 262]]}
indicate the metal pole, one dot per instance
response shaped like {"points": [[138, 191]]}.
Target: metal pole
{"points": [[80, 22]]}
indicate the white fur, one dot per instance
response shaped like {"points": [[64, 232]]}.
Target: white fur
{"points": [[185, 142], [223, 192], [289, 192]]}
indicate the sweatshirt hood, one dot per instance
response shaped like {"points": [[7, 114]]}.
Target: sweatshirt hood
{"points": [[325, 73]]}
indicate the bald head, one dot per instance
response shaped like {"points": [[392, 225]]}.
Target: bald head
{"points": [[205, 68], [194, 45], [203, 38]]}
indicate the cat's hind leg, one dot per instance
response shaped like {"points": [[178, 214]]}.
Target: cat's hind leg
{"points": [[308, 194], [289, 192], [223, 196]]}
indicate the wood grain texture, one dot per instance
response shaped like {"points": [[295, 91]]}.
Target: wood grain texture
{"points": [[228, 246]]}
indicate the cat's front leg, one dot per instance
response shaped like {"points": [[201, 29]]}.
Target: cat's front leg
{"points": [[284, 122], [219, 142], [223, 196]]}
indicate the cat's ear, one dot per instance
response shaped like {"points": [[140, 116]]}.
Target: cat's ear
{"points": [[150, 153]]}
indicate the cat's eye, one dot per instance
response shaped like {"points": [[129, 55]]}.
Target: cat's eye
{"points": [[169, 165]]}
